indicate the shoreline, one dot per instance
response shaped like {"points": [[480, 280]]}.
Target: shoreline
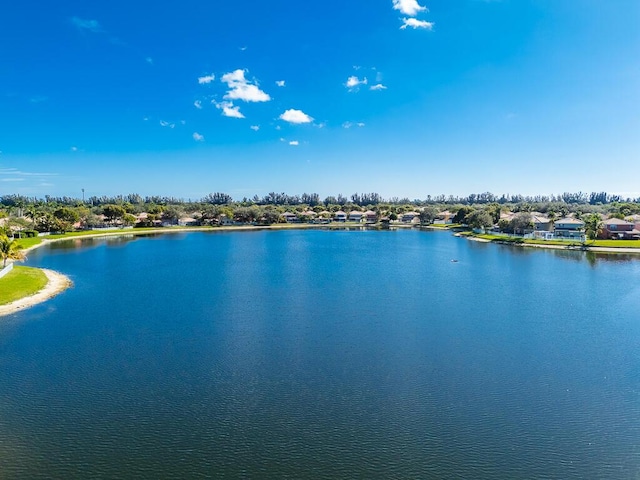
{"points": [[586, 249], [236, 228], [57, 283]]}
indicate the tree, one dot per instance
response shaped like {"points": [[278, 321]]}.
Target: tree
{"points": [[9, 250], [461, 214], [217, 198], [66, 218], [479, 219], [521, 222], [113, 213], [428, 215], [593, 226]]}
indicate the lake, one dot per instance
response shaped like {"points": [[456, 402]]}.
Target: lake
{"points": [[324, 354]]}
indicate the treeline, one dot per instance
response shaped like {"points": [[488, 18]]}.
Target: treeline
{"points": [[313, 200]]}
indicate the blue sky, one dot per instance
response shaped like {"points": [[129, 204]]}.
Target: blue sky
{"points": [[400, 97]]}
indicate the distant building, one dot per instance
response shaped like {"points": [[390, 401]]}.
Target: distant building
{"points": [[614, 228], [340, 216], [355, 216], [569, 227]]}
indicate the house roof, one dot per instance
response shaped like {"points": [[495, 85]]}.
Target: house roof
{"points": [[370, 212], [569, 221], [355, 212], [289, 214], [539, 219], [339, 212], [616, 221]]}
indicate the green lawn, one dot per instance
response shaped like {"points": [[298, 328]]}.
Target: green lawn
{"points": [[21, 282], [590, 243], [615, 243], [28, 242]]}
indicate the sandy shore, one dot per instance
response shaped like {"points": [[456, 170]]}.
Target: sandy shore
{"points": [[57, 283]]}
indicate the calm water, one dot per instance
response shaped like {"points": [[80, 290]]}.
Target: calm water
{"points": [[315, 354]]}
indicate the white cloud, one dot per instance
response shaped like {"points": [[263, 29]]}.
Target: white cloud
{"points": [[414, 23], [360, 124], [91, 25], [255, 128], [167, 124], [353, 82], [74, 149], [377, 86], [206, 79], [229, 110], [198, 104], [149, 60], [242, 89], [295, 116], [408, 7], [15, 171], [12, 179], [295, 143], [280, 83], [348, 125], [197, 137]]}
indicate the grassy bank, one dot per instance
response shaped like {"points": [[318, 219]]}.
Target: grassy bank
{"points": [[531, 241], [21, 282]]}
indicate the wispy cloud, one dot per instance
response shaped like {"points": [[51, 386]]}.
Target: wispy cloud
{"points": [[206, 79], [295, 116], [167, 124], [255, 128], [353, 83], [242, 89], [415, 23], [12, 179], [408, 7], [90, 25], [294, 143], [149, 60], [229, 109], [22, 173], [198, 104], [377, 86], [348, 125], [280, 83], [197, 137]]}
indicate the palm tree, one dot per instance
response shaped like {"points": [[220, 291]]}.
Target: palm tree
{"points": [[593, 226], [9, 250]]}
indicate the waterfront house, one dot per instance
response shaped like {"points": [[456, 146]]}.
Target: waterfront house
{"points": [[569, 227], [541, 223], [323, 217], [410, 217], [370, 216], [355, 216], [444, 218], [290, 217], [614, 228], [308, 216], [340, 216], [187, 222]]}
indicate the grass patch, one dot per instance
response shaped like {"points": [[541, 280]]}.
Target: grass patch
{"points": [[28, 242], [615, 243], [21, 282]]}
